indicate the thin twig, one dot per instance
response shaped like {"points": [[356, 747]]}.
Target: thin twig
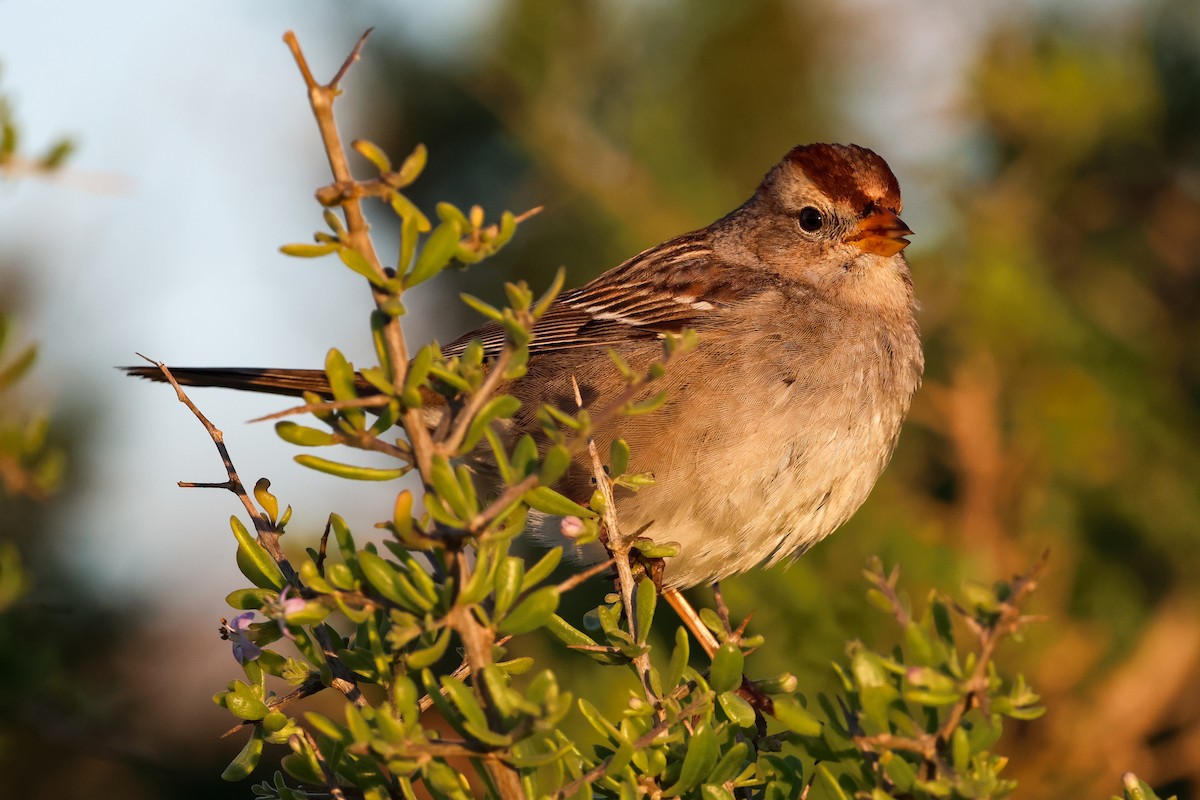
{"points": [[449, 447], [330, 778], [268, 537], [370, 401], [619, 546], [310, 687], [579, 577]]}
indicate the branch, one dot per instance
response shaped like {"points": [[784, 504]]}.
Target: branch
{"points": [[619, 546], [268, 537]]}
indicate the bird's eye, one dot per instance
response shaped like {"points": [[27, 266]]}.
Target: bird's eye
{"points": [[810, 219]]}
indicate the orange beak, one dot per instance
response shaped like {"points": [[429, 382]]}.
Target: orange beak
{"points": [[881, 232]]}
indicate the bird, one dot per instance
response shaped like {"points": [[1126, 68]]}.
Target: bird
{"points": [[780, 420]]}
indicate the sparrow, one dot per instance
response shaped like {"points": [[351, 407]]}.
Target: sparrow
{"points": [[779, 421]]}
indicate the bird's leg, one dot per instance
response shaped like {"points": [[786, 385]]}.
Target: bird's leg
{"points": [[691, 620], [762, 703]]}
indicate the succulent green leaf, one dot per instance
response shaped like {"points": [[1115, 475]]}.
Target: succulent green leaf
{"points": [[618, 457], [499, 407], [308, 250], [568, 634], [484, 309], [412, 167], [542, 569], [796, 718], [373, 153], [548, 501], [644, 603], [726, 672], [244, 762], [266, 500], [357, 262], [349, 471], [679, 660], [253, 560], [249, 599], [737, 709], [243, 703], [554, 464], [532, 612], [731, 764], [698, 761], [509, 575], [436, 253]]}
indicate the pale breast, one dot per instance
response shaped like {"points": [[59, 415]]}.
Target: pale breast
{"points": [[778, 468]]}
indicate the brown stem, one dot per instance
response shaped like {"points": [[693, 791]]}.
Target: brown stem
{"points": [[619, 546], [268, 537]]}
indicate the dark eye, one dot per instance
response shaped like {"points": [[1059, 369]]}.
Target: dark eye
{"points": [[810, 219]]}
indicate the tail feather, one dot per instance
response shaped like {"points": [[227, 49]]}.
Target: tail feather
{"points": [[290, 382]]}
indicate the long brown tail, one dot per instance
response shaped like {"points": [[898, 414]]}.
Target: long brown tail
{"points": [[291, 382]]}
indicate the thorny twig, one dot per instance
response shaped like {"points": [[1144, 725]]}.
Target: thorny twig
{"points": [[342, 680]]}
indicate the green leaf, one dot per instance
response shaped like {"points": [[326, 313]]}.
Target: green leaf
{"points": [[737, 709], [547, 299], [373, 153], [412, 167], [783, 683], [266, 500], [554, 464], [732, 764], [509, 575], [357, 262], [532, 612], [243, 703], [652, 403], [599, 723], [796, 718], [484, 309], [499, 407], [644, 602], [832, 788], [548, 501], [436, 253], [244, 762], [303, 436], [568, 634], [480, 584], [428, 656], [542, 569], [308, 250], [618, 458], [698, 762], [349, 471], [447, 487], [249, 599], [253, 560], [679, 660], [464, 700], [727, 664], [392, 585]]}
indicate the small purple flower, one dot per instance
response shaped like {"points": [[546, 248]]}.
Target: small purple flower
{"points": [[236, 632]]}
